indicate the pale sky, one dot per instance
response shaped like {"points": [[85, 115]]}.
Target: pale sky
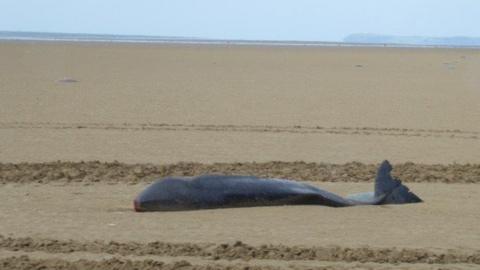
{"points": [[319, 20]]}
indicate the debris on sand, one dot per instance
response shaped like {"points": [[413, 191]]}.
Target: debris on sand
{"points": [[67, 80]]}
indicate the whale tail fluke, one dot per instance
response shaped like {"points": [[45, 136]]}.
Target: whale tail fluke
{"points": [[390, 189]]}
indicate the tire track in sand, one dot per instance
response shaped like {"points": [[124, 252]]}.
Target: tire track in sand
{"points": [[365, 131]]}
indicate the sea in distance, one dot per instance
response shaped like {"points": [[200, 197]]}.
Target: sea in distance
{"points": [[111, 38]]}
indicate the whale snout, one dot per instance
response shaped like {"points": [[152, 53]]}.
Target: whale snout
{"points": [[137, 206]]}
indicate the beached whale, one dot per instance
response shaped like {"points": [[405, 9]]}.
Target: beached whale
{"points": [[220, 191]]}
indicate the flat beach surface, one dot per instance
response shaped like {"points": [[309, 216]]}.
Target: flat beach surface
{"points": [[165, 103], [85, 126]]}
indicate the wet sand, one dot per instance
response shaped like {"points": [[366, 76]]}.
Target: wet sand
{"points": [[84, 127]]}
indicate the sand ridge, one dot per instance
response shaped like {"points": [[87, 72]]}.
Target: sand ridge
{"points": [[239, 250], [117, 172], [25, 262], [21, 253]]}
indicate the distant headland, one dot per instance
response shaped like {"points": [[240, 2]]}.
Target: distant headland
{"points": [[456, 41]]}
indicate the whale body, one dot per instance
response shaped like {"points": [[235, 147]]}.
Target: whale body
{"points": [[223, 191]]}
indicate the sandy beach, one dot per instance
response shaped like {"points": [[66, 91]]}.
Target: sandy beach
{"points": [[85, 126]]}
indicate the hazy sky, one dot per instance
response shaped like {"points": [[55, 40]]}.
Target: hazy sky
{"points": [[245, 19]]}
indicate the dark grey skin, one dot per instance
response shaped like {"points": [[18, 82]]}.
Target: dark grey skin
{"points": [[219, 191]]}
